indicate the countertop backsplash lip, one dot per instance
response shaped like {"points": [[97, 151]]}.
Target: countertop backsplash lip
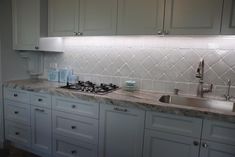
{"points": [[146, 100]]}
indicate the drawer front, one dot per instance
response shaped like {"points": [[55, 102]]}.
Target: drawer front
{"points": [[219, 131], [180, 125], [17, 95], [19, 134], [77, 127], [42, 100], [83, 108], [17, 112], [68, 147]]}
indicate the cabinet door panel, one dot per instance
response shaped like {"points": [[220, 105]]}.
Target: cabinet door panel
{"points": [[98, 17], [26, 23], [193, 17], [228, 22], [159, 144], [140, 17], [121, 132], [217, 150], [41, 130], [63, 17]]}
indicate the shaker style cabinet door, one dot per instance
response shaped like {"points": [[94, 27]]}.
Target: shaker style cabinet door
{"points": [[98, 17], [193, 17], [228, 22], [41, 130], [158, 144], [140, 17], [121, 131], [211, 149], [26, 24], [63, 17]]}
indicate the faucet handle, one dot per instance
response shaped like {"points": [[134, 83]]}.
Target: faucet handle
{"points": [[229, 82]]}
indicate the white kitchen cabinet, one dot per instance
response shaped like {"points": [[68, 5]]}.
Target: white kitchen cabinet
{"points": [[193, 17], [228, 21], [140, 17], [159, 144], [41, 131], [29, 23], [212, 149], [98, 17], [121, 131], [63, 16]]}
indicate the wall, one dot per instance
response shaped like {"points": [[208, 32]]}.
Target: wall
{"points": [[156, 63], [13, 66]]}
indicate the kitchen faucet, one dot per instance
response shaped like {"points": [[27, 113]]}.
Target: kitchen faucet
{"points": [[227, 95], [200, 74]]}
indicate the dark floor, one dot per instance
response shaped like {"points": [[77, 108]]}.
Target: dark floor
{"points": [[14, 152]]}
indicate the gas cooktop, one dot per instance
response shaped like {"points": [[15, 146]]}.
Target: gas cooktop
{"points": [[90, 87]]}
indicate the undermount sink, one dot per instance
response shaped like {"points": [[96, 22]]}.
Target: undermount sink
{"points": [[198, 102]]}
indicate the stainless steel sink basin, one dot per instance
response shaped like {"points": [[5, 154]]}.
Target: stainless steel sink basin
{"points": [[198, 102]]}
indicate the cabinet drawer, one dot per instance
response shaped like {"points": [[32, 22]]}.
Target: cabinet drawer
{"points": [[180, 125], [68, 147], [77, 127], [19, 134], [83, 108], [219, 131], [16, 95], [42, 100], [17, 112]]}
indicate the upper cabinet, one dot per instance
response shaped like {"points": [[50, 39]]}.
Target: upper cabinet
{"points": [[98, 17], [29, 23], [63, 17], [68, 18], [140, 17], [194, 17], [228, 23]]}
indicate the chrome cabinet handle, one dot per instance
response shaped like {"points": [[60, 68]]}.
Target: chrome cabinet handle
{"points": [[15, 95], [40, 110], [120, 109], [204, 145]]}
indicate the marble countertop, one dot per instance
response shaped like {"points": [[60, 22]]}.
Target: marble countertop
{"points": [[145, 100]]}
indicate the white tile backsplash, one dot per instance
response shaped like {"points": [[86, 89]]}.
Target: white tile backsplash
{"points": [[156, 63]]}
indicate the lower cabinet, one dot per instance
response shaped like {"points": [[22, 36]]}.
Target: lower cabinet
{"points": [[121, 131], [69, 147], [212, 149], [158, 144], [41, 131]]}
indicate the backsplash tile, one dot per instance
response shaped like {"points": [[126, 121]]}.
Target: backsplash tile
{"points": [[156, 63]]}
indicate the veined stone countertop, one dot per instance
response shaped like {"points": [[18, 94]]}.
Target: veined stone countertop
{"points": [[140, 99]]}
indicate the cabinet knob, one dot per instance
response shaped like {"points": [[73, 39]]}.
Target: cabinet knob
{"points": [[36, 47], [15, 95], [73, 106], [73, 127], [166, 32], [73, 152], [195, 143], [75, 33], [204, 145], [159, 32], [80, 33], [16, 112], [40, 100], [17, 133]]}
